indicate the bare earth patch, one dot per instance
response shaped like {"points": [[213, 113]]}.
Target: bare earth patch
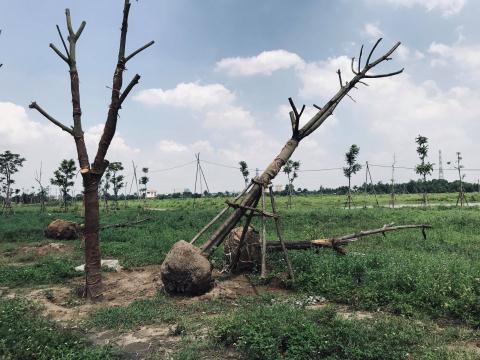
{"points": [[41, 249], [63, 303]]}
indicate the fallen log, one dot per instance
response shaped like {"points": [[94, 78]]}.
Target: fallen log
{"points": [[124, 224], [337, 243]]}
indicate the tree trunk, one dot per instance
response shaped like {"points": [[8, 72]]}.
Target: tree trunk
{"points": [[251, 197], [93, 276]]}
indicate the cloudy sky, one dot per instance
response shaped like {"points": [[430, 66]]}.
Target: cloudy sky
{"points": [[219, 76]]}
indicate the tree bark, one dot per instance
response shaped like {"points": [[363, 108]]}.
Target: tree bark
{"points": [[93, 275]]}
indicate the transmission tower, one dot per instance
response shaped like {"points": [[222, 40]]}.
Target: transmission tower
{"points": [[440, 165]]}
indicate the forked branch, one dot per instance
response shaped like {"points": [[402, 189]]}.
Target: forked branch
{"points": [[360, 74]]}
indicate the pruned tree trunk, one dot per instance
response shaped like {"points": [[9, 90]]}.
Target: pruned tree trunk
{"points": [[92, 174], [93, 274]]}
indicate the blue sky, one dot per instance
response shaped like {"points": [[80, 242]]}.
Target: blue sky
{"points": [[218, 78]]}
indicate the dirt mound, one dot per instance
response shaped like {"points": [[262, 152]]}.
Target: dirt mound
{"points": [[250, 256], [186, 271], [62, 230]]}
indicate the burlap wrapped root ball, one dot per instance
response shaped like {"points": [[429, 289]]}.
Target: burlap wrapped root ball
{"points": [[186, 271], [62, 230], [250, 256]]}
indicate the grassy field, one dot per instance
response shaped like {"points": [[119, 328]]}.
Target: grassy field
{"points": [[393, 297]]}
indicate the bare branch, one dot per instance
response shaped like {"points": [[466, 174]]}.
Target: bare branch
{"points": [[340, 77], [293, 120], [129, 57], [352, 66], [371, 52], [69, 23], [360, 59], [386, 56], [383, 75], [351, 98], [317, 107], [301, 112], [80, 30], [294, 108], [59, 53], [35, 106], [129, 88], [63, 41]]}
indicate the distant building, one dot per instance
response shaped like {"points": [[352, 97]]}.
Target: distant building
{"points": [[151, 194], [279, 188]]}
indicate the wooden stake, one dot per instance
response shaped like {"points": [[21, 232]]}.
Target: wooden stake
{"points": [[263, 273], [279, 234]]}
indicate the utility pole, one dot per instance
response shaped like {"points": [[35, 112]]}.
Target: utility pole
{"points": [[392, 194], [461, 195], [199, 176]]}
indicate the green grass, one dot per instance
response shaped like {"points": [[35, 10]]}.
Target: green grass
{"points": [[25, 334], [45, 271], [437, 279], [285, 332]]}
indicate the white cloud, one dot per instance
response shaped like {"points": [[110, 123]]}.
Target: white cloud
{"points": [[188, 95], [170, 146], [214, 103], [43, 142], [17, 128], [372, 30], [320, 80], [446, 7], [463, 57], [231, 117], [264, 63]]}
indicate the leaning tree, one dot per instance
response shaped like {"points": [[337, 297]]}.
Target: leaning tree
{"points": [[351, 169], [92, 172], [177, 273]]}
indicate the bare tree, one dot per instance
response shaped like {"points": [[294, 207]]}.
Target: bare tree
{"points": [[244, 170], [291, 169], [9, 165], [92, 173], [42, 192], [361, 74], [351, 169]]}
